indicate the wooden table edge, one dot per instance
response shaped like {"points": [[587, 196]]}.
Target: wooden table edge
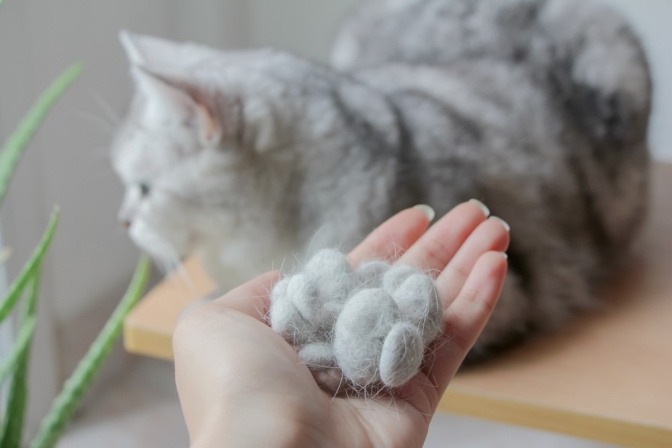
{"points": [[464, 401]]}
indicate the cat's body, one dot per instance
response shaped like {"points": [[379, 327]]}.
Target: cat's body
{"points": [[537, 108]]}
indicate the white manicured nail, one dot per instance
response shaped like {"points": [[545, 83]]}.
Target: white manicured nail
{"points": [[486, 210], [501, 221], [427, 210]]}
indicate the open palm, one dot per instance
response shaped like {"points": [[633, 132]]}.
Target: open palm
{"points": [[241, 384]]}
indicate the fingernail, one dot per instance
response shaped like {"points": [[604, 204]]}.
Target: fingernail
{"points": [[427, 210], [504, 255], [486, 210], [501, 221]]}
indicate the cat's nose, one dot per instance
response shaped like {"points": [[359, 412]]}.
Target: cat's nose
{"points": [[126, 223]]}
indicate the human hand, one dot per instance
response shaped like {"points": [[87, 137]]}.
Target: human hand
{"points": [[241, 384]]}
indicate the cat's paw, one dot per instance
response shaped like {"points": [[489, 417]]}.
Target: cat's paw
{"points": [[382, 333]]}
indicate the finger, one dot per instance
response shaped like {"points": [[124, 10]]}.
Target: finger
{"points": [[465, 319], [251, 298], [392, 238], [440, 243], [491, 235]]}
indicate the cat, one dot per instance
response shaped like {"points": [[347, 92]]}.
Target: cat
{"points": [[539, 108]]}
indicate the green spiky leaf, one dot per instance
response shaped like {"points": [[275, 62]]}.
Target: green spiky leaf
{"points": [[19, 348], [17, 287], [12, 428], [16, 144], [74, 388]]}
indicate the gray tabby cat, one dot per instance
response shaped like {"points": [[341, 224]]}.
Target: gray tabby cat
{"points": [[539, 108]]}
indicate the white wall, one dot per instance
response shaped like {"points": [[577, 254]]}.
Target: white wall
{"points": [[92, 259], [304, 26]]}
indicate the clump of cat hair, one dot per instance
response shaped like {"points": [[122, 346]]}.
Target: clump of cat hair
{"points": [[365, 327]]}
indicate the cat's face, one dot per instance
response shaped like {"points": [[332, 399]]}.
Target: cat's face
{"points": [[159, 153], [146, 156]]}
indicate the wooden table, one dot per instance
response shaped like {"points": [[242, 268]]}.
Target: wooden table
{"points": [[607, 375]]}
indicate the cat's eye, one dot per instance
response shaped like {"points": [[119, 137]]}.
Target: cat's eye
{"points": [[144, 189]]}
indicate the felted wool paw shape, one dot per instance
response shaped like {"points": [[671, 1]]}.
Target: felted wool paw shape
{"points": [[304, 306], [382, 332], [373, 324]]}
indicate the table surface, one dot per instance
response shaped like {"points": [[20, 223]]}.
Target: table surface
{"points": [[606, 375]]}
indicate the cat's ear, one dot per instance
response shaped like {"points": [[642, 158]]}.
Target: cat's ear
{"points": [[131, 47], [156, 52], [170, 98], [150, 51]]}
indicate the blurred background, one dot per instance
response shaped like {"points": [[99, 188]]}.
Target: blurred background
{"points": [[91, 261]]}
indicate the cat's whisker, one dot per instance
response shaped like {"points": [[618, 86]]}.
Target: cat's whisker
{"points": [[162, 265], [113, 117], [99, 122], [173, 262], [184, 275]]}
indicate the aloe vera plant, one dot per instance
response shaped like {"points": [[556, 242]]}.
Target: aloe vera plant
{"points": [[26, 285], [24, 291]]}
